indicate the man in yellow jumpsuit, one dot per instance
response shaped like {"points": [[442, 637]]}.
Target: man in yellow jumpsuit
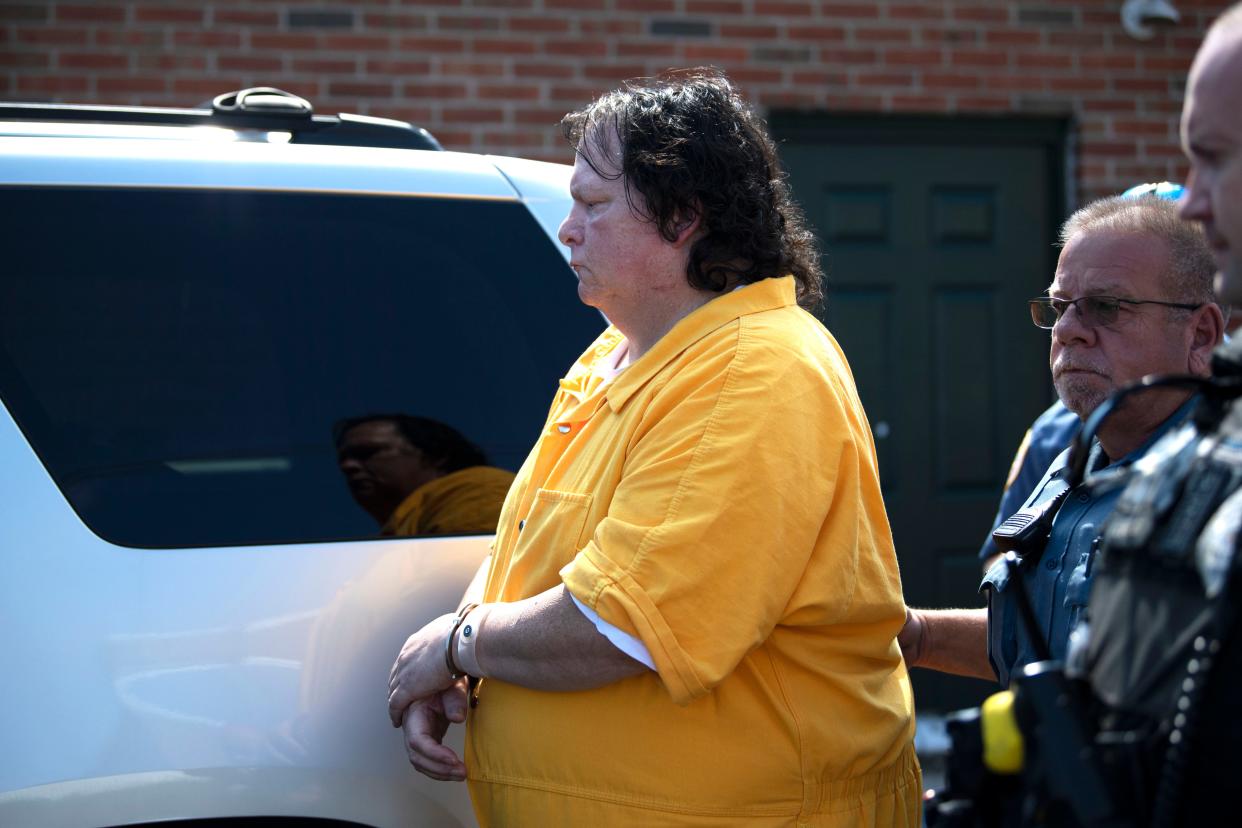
{"points": [[690, 613]]}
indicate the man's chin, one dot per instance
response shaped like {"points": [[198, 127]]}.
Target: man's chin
{"points": [[1229, 282], [1081, 395]]}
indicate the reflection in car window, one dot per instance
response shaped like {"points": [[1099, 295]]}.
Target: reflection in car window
{"points": [[178, 358]]}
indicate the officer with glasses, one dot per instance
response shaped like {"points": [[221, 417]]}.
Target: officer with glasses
{"points": [[1132, 296]]}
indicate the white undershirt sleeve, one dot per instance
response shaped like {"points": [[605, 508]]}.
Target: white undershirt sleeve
{"points": [[623, 641]]}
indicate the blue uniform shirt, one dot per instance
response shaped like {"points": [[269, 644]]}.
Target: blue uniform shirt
{"points": [[1059, 582], [1047, 437]]}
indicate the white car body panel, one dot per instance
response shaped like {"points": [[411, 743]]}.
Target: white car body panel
{"points": [[145, 685]]}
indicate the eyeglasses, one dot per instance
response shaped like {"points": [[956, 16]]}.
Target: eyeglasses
{"points": [[1094, 311]]}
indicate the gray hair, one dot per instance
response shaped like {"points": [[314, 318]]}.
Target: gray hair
{"points": [[1192, 267]]}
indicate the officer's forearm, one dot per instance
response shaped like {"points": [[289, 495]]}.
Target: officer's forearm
{"points": [[952, 641], [545, 643]]}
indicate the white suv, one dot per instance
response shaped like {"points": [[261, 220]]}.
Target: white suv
{"points": [[197, 620]]}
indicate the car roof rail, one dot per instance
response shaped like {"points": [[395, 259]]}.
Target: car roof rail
{"points": [[258, 108]]}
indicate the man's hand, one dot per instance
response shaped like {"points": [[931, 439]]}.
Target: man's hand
{"points": [[426, 721], [420, 670], [910, 639]]}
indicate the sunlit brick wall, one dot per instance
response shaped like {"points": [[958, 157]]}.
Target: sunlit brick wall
{"points": [[496, 75]]}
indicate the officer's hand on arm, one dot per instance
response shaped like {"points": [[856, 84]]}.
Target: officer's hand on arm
{"points": [[948, 640]]}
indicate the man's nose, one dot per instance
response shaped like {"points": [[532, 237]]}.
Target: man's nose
{"points": [[1071, 327], [1195, 204]]}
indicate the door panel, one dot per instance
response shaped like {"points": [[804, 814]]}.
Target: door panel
{"points": [[933, 238]]}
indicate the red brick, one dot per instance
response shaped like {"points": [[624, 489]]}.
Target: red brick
{"points": [[544, 25], [1161, 128], [989, 58], [1011, 37], [450, 67], [356, 43], [25, 12], [468, 23], [434, 90], [613, 73], [788, 98], [914, 57], [221, 40], [956, 37], [783, 8], [647, 6], [981, 103], [509, 92], [327, 66], [133, 39], [504, 46], [919, 103], [421, 45], [473, 115], [135, 85], [895, 79], [580, 5], [756, 32], [916, 11], [819, 77], [1153, 85], [1106, 61], [820, 34], [175, 62], [249, 63], [571, 94], [735, 7], [164, 14], [948, 81], [711, 54], [545, 115], [848, 57], [245, 17], [856, 101], [1178, 65], [1078, 84], [852, 11], [755, 74], [1108, 149], [886, 35], [629, 26], [360, 89], [661, 49], [1109, 105], [397, 66], [1077, 40], [25, 60], [52, 37], [1013, 83], [94, 13], [576, 48], [982, 14], [92, 60], [528, 69], [51, 84], [1044, 60]]}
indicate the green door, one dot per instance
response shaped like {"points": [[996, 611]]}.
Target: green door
{"points": [[934, 234]]}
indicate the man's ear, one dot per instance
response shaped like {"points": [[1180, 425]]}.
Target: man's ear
{"points": [[1207, 333]]}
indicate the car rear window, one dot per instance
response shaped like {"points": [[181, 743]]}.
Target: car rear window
{"points": [[178, 358]]}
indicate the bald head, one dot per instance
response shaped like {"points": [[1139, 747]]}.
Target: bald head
{"points": [[1212, 139]]}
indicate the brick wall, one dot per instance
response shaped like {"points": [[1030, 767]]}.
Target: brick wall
{"points": [[496, 75]]}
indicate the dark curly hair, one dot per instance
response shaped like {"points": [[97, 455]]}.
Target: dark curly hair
{"points": [[690, 146]]}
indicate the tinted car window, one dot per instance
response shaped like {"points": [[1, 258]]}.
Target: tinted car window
{"points": [[178, 357]]}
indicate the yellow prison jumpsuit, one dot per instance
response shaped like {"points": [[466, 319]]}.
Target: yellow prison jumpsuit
{"points": [[719, 500]]}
